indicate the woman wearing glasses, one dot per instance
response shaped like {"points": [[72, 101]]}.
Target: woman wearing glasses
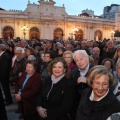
{"points": [[98, 102]]}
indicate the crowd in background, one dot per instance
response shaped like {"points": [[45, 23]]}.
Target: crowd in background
{"points": [[51, 76]]}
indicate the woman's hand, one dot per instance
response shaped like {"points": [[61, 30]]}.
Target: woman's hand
{"points": [[81, 80], [18, 97], [42, 112]]}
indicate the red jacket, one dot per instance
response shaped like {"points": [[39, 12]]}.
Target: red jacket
{"points": [[30, 92]]}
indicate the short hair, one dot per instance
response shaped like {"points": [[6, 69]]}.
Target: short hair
{"points": [[20, 49], [58, 59], [108, 59], [33, 62], [99, 70], [80, 52], [31, 57], [2, 47], [68, 52]]}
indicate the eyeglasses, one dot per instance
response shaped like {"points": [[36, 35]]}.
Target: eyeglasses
{"points": [[97, 84]]}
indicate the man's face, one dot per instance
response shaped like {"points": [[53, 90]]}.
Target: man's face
{"points": [[19, 54], [82, 61]]}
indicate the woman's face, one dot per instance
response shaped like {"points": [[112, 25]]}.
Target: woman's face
{"points": [[68, 58], [60, 52], [58, 69], [107, 64], [27, 52], [100, 86], [30, 69]]}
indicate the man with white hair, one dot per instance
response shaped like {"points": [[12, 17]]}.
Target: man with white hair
{"points": [[81, 59], [19, 65]]}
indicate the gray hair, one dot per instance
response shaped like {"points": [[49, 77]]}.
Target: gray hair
{"points": [[21, 49], [2, 47], [31, 57], [80, 52]]}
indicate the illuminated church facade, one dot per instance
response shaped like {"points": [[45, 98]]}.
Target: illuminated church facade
{"points": [[47, 21]]}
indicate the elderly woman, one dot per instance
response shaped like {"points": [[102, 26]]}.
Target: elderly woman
{"points": [[68, 56], [57, 96], [98, 102], [27, 90]]}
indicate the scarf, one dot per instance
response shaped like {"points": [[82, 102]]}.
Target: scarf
{"points": [[55, 80]]}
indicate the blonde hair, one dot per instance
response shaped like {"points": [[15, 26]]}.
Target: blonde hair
{"points": [[99, 70]]}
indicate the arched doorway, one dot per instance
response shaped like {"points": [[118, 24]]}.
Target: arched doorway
{"points": [[58, 33], [8, 32], [34, 33], [98, 35], [78, 35]]}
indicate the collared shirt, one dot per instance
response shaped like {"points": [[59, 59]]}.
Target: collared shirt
{"points": [[2, 53], [85, 72], [92, 96]]}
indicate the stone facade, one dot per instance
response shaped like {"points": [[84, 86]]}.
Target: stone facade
{"points": [[47, 21]]}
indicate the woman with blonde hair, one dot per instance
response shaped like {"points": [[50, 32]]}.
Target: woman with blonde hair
{"points": [[98, 102], [68, 56]]}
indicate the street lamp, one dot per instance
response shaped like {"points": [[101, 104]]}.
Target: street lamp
{"points": [[24, 30], [112, 32], [74, 31]]}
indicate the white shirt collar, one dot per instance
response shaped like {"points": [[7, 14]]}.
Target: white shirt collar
{"points": [[84, 73], [92, 96], [2, 53]]}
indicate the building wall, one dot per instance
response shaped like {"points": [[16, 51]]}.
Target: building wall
{"points": [[47, 17]]}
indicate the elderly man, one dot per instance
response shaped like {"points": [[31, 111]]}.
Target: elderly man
{"points": [[81, 59], [4, 73], [19, 65], [110, 50], [96, 56]]}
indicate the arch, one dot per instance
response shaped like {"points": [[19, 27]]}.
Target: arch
{"points": [[58, 33], [79, 35], [34, 33], [8, 32], [98, 35]]}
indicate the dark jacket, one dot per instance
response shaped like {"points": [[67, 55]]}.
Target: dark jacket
{"points": [[97, 110], [4, 67], [30, 92], [57, 99], [3, 115], [19, 66]]}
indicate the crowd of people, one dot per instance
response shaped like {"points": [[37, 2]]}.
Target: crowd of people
{"points": [[61, 80]]}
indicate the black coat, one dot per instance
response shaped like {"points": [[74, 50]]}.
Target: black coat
{"points": [[3, 115], [57, 99], [97, 110]]}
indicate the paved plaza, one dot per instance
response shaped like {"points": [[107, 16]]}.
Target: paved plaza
{"points": [[11, 108]]}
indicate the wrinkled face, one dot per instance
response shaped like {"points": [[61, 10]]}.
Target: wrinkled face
{"points": [[107, 64], [68, 58], [47, 58], [100, 86], [82, 61], [58, 69], [19, 54], [30, 69]]}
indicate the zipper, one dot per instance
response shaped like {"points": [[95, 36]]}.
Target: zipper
{"points": [[49, 91]]}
